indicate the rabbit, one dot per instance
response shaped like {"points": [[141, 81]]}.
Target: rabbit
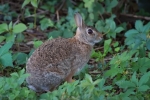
{"points": [[57, 60]]}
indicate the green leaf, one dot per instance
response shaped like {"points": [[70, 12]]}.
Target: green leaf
{"points": [[125, 84], [110, 4], [34, 3], [5, 48], [115, 44], [3, 28], [107, 46], [22, 78], [88, 78], [45, 23], [2, 82], [10, 26], [89, 4], [131, 33], [113, 72], [100, 8], [50, 38], [100, 25], [117, 49], [146, 28], [20, 38], [19, 28], [55, 34], [101, 83], [112, 24], [134, 79], [2, 38], [14, 75], [6, 60], [91, 15], [142, 36], [143, 88], [21, 72], [129, 91], [119, 29], [148, 44], [25, 3], [113, 3], [67, 33], [144, 79], [8, 17], [139, 25], [142, 65], [97, 81], [21, 58], [107, 88], [37, 43], [10, 37]]}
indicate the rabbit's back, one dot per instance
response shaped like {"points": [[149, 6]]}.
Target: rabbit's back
{"points": [[55, 59], [57, 51]]}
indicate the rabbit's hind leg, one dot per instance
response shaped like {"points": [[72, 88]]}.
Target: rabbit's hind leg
{"points": [[52, 81], [70, 75]]}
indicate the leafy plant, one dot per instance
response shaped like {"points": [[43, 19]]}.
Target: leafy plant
{"points": [[141, 65], [100, 56], [120, 64], [37, 44], [11, 89], [11, 31], [65, 30], [6, 12], [108, 27], [95, 8], [134, 87], [5, 55], [49, 5], [45, 23], [34, 3], [138, 37], [20, 58], [93, 90]]}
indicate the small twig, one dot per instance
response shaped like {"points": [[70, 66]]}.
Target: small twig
{"points": [[35, 17], [99, 48], [107, 59], [44, 12], [134, 16], [18, 20], [101, 15], [73, 2], [60, 7], [93, 72], [14, 4]]}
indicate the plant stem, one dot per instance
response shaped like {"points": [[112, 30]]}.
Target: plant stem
{"points": [[34, 17]]}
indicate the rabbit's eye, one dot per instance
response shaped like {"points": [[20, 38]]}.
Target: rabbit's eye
{"points": [[90, 31]]}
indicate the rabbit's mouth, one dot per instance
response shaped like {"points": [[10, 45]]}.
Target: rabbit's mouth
{"points": [[92, 42], [98, 40]]}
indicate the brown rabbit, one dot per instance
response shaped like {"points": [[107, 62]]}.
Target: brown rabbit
{"points": [[57, 60]]}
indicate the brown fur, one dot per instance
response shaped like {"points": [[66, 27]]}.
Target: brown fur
{"points": [[56, 61]]}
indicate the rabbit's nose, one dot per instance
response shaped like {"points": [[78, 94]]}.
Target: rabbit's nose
{"points": [[100, 35]]}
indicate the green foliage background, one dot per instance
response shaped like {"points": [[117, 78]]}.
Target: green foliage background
{"points": [[121, 71]]}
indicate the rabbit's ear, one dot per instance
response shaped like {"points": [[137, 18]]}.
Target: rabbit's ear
{"points": [[79, 21]]}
